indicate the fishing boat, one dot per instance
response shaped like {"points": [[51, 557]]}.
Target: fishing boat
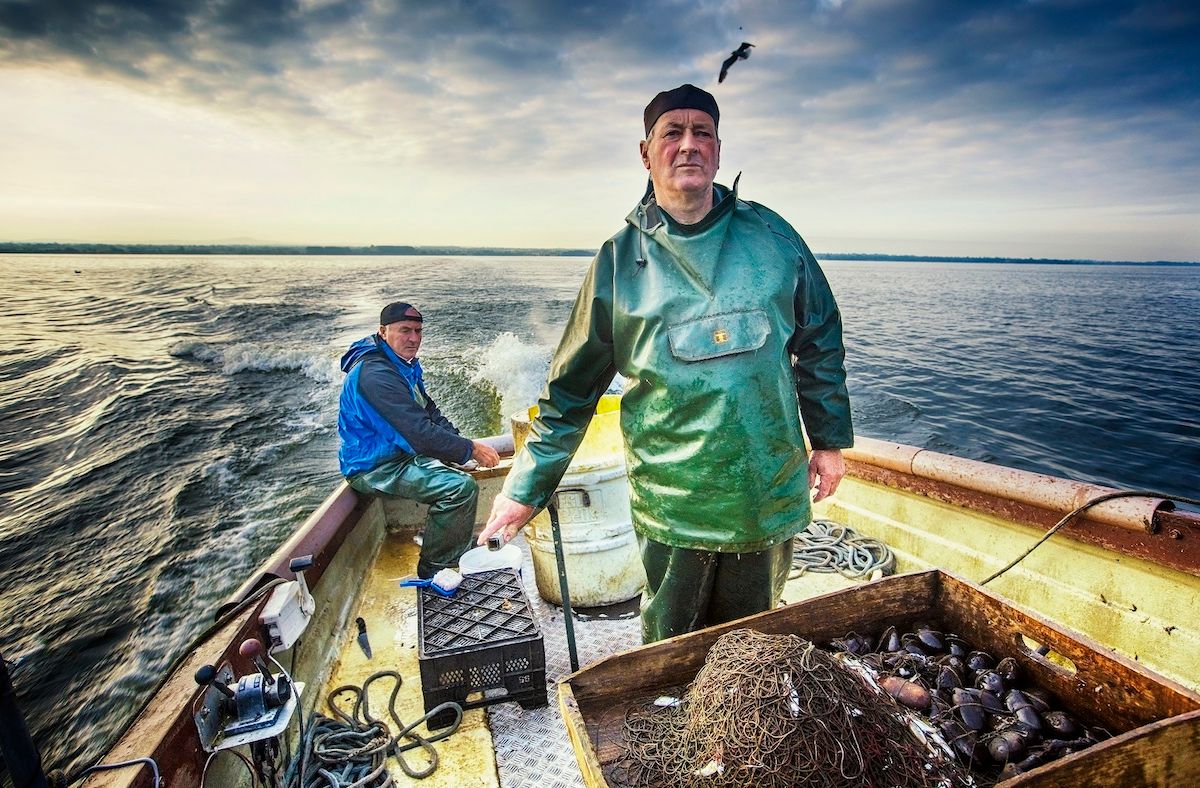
{"points": [[1116, 585]]}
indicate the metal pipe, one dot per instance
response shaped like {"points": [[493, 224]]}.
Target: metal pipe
{"points": [[20, 755], [561, 559], [1036, 489]]}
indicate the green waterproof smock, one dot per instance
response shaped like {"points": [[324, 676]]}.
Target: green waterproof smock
{"points": [[726, 333]]}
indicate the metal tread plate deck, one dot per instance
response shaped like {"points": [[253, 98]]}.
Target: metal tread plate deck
{"points": [[532, 748]]}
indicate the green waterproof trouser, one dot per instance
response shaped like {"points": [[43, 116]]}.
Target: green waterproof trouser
{"points": [[688, 590], [452, 497]]}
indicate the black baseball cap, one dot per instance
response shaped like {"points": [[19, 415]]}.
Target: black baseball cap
{"points": [[397, 311]]}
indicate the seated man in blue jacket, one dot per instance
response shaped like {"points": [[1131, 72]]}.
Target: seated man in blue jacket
{"points": [[395, 441]]}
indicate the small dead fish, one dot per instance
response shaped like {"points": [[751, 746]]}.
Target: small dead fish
{"points": [[664, 701]]}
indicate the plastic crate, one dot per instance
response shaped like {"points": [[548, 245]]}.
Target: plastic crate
{"points": [[484, 639]]}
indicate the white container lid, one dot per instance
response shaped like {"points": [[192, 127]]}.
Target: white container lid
{"points": [[482, 559]]}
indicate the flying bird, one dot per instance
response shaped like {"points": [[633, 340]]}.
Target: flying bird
{"points": [[741, 53]]}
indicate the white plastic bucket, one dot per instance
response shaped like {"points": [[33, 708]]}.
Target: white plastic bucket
{"points": [[599, 545]]}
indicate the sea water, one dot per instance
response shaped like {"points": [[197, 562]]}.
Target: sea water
{"points": [[168, 421]]}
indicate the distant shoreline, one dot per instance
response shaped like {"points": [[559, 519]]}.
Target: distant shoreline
{"points": [[491, 251]]}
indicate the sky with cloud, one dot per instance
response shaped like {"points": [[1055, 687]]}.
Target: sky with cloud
{"points": [[1044, 128]]}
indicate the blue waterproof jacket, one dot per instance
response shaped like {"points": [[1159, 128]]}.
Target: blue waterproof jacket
{"points": [[386, 414]]}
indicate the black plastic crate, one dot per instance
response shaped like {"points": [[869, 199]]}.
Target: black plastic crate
{"points": [[484, 639]]}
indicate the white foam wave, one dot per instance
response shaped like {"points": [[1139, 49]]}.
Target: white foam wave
{"points": [[248, 357], [222, 472], [201, 351], [516, 370]]}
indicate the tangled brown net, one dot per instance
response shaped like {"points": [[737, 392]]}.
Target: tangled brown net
{"points": [[774, 710]]}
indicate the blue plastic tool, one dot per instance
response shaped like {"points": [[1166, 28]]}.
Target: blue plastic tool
{"points": [[416, 582]]}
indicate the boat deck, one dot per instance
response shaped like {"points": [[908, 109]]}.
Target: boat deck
{"points": [[504, 744], [1125, 576]]}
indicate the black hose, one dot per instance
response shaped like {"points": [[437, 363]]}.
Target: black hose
{"points": [[1079, 510]]}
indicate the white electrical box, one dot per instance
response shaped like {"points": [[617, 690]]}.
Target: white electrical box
{"points": [[286, 615]]}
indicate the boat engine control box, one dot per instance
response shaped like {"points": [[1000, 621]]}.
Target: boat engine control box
{"points": [[288, 611], [480, 646]]}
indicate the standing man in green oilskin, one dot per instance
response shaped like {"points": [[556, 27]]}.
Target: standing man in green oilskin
{"points": [[395, 440], [724, 327]]}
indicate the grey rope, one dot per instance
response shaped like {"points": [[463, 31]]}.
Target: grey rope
{"points": [[830, 547], [351, 751]]}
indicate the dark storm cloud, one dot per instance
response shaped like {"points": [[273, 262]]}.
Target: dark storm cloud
{"points": [[1036, 52], [1102, 56], [1123, 67]]}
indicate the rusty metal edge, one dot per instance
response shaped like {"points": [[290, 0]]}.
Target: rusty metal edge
{"points": [[1175, 542], [1037, 489]]}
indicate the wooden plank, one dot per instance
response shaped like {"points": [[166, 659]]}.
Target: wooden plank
{"points": [[1106, 689], [585, 753], [1164, 753]]}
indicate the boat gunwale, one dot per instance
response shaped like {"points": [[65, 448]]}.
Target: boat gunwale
{"points": [[175, 747], [1173, 543]]}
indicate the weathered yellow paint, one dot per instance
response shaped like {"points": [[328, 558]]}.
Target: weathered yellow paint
{"points": [[601, 441], [1140, 609], [467, 758]]}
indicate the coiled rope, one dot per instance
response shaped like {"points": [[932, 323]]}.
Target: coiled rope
{"points": [[830, 547], [351, 751]]}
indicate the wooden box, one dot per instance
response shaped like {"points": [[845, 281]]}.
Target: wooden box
{"points": [[1155, 722]]}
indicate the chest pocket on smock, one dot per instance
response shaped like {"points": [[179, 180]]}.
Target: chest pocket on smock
{"points": [[719, 335]]}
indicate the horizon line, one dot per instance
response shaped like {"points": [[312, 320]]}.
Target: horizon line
{"points": [[266, 249]]}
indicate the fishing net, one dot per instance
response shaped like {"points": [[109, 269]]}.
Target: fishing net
{"points": [[774, 710]]}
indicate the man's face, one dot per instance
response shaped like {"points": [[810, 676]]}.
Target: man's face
{"points": [[403, 337], [683, 152]]}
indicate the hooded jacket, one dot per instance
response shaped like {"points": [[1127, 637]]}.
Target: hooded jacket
{"points": [[727, 334], [386, 414]]}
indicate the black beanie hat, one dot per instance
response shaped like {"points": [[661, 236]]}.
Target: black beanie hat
{"points": [[395, 312], [683, 97]]}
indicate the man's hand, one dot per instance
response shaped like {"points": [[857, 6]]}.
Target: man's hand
{"points": [[508, 516], [485, 455], [828, 466]]}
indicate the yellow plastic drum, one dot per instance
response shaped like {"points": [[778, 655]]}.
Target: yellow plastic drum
{"points": [[599, 546]]}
